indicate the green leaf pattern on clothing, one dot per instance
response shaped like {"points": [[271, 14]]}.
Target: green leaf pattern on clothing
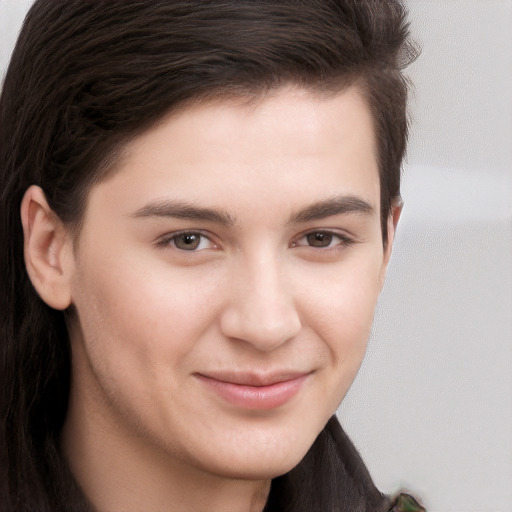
{"points": [[406, 503]]}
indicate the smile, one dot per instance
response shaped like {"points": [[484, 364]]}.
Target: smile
{"points": [[249, 391]]}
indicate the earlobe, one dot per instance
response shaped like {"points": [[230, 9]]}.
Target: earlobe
{"points": [[47, 249]]}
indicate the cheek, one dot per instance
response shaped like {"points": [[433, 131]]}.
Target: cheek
{"points": [[137, 342], [136, 324], [341, 312], [344, 297]]}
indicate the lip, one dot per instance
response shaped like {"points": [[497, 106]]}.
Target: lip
{"points": [[253, 391]]}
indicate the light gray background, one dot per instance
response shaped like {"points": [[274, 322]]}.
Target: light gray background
{"points": [[431, 409]]}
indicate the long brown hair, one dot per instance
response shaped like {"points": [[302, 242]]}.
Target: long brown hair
{"points": [[88, 75]]}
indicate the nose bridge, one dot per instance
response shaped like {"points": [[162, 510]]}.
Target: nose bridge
{"points": [[261, 310]]}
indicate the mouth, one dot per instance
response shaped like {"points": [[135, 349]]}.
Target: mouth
{"points": [[253, 391]]}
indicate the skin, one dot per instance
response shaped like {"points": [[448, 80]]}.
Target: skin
{"points": [[279, 276]]}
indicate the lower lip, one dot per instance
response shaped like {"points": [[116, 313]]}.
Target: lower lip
{"points": [[256, 397]]}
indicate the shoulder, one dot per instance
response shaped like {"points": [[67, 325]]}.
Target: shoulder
{"points": [[406, 503]]}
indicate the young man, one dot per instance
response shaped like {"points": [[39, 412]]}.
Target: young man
{"points": [[208, 206]]}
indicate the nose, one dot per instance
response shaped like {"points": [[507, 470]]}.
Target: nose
{"points": [[261, 310]]}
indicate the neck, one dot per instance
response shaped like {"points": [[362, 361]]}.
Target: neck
{"points": [[122, 471]]}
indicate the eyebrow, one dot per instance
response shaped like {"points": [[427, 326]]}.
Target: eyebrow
{"points": [[183, 210], [337, 205]]}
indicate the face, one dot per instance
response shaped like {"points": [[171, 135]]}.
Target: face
{"points": [[226, 277]]}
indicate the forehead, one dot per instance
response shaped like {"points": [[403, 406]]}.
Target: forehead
{"points": [[294, 142]]}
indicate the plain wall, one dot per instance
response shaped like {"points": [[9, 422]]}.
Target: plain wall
{"points": [[431, 409]]}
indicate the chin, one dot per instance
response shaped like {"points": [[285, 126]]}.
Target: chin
{"points": [[265, 455], [256, 470]]}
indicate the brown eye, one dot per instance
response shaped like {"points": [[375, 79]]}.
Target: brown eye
{"points": [[319, 239], [187, 241]]}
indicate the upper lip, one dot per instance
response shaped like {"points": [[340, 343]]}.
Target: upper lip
{"points": [[254, 379]]}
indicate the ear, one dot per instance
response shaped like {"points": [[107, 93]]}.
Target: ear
{"points": [[48, 250], [393, 218]]}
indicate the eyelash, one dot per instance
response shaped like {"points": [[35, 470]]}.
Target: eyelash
{"points": [[343, 240]]}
